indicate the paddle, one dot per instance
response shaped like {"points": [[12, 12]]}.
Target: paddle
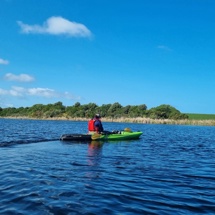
{"points": [[96, 136]]}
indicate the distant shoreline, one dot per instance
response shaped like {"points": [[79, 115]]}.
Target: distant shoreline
{"points": [[130, 120]]}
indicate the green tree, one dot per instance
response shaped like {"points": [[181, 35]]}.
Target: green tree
{"points": [[77, 104], [36, 111], [103, 110], [90, 110], [115, 110], [133, 111], [165, 112]]}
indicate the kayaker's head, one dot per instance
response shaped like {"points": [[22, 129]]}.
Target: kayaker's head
{"points": [[97, 116]]}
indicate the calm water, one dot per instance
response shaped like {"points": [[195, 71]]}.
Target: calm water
{"points": [[170, 170]]}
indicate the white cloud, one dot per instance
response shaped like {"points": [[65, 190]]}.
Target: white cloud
{"points": [[11, 92], [5, 62], [3, 92], [164, 47], [43, 92], [56, 25], [40, 92], [20, 78]]}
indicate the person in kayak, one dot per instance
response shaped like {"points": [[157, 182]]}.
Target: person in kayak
{"points": [[95, 124]]}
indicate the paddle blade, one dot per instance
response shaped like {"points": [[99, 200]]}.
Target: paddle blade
{"points": [[96, 136]]}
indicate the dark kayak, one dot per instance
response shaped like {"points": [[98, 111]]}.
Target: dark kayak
{"points": [[76, 137]]}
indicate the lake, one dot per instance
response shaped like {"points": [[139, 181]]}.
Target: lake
{"points": [[169, 170]]}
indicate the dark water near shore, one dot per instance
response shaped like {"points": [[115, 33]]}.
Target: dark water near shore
{"points": [[170, 170]]}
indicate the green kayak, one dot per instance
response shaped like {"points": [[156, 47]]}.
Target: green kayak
{"points": [[123, 135]]}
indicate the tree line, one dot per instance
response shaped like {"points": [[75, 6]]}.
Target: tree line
{"points": [[115, 110]]}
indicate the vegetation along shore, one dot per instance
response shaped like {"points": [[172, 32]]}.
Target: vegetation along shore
{"points": [[163, 114]]}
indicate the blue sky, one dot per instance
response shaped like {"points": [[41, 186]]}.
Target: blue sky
{"points": [[136, 52]]}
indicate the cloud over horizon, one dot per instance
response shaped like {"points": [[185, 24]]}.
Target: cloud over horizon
{"points": [[56, 25], [19, 78], [4, 62], [36, 91]]}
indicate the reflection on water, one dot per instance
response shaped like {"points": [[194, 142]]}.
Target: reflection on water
{"points": [[94, 152], [94, 157]]}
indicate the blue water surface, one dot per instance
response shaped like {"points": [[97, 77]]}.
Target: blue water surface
{"points": [[169, 170]]}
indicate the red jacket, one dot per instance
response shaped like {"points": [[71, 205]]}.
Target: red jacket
{"points": [[91, 126]]}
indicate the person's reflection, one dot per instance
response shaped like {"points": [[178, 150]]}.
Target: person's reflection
{"points": [[94, 152], [93, 173], [94, 160]]}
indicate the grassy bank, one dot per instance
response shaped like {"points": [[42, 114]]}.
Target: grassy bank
{"points": [[195, 116], [207, 122], [163, 121]]}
